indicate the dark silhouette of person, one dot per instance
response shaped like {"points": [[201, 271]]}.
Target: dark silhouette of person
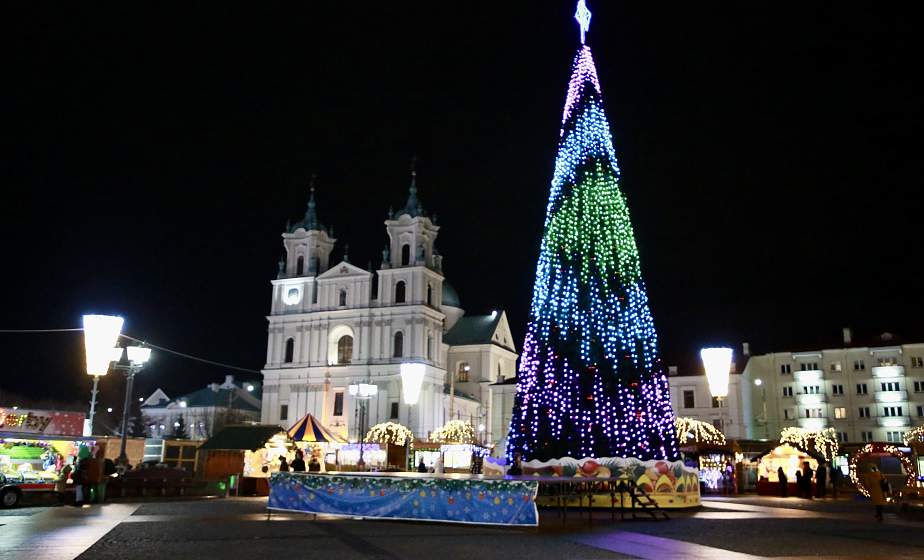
{"points": [[298, 463], [283, 464], [515, 469], [421, 467], [821, 480], [807, 480], [784, 482]]}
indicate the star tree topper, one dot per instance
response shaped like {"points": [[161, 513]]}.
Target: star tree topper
{"points": [[582, 15]]}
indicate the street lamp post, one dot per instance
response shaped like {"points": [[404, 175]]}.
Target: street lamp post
{"points": [[763, 397], [100, 334], [137, 357], [412, 376], [363, 392]]}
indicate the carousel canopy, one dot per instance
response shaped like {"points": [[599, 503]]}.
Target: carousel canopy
{"points": [[308, 429]]}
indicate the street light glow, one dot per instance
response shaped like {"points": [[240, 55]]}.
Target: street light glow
{"points": [[100, 334], [717, 362], [411, 380], [758, 382], [138, 354]]}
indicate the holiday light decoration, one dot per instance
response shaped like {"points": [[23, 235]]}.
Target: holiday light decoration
{"points": [[915, 435], [822, 443], [391, 433], [590, 381], [879, 449], [691, 430], [454, 431]]}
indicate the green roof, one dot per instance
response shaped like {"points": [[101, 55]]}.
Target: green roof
{"points": [[478, 329], [242, 437], [450, 296]]}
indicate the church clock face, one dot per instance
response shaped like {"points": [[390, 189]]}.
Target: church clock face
{"points": [[293, 296]]}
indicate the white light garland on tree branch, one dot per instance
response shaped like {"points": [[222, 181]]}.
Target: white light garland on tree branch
{"points": [[691, 430], [820, 442], [391, 433], [454, 431], [915, 435]]}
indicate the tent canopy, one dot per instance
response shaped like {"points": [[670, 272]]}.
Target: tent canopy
{"points": [[310, 430]]}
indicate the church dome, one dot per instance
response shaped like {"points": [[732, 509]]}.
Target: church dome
{"points": [[450, 296]]}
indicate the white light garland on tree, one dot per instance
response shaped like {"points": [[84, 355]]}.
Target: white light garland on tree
{"points": [[454, 431], [390, 433], [820, 442], [696, 431], [915, 435]]}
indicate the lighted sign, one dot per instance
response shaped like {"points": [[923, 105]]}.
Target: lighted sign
{"points": [[41, 422]]}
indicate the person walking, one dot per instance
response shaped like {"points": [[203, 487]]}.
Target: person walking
{"points": [[298, 464], [784, 482], [283, 464], [821, 480], [876, 486]]}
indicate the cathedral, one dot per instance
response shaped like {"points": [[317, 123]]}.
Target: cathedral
{"points": [[336, 324]]}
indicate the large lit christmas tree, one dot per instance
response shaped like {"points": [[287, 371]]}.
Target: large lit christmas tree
{"points": [[590, 381]]}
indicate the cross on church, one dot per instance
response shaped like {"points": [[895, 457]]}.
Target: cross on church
{"points": [[582, 15]]}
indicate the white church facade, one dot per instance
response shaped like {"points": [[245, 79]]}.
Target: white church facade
{"points": [[333, 324]]}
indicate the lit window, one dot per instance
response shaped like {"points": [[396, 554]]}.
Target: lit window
{"points": [[840, 413], [462, 374], [345, 349]]}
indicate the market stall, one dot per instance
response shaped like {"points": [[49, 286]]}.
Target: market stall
{"points": [[36, 444], [318, 441], [246, 455]]}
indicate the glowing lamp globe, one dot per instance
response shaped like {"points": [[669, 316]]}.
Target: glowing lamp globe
{"points": [[411, 380], [100, 334], [138, 354], [717, 362]]}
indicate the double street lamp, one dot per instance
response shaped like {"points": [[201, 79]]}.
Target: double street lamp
{"points": [[101, 334], [362, 392]]}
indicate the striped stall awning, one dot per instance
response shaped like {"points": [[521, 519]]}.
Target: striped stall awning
{"points": [[308, 429]]}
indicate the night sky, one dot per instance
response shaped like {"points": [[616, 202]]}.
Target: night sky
{"points": [[770, 155]]}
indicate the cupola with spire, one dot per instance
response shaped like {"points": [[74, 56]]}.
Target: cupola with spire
{"points": [[411, 231], [308, 242]]}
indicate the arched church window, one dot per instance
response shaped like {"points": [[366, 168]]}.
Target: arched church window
{"points": [[345, 349], [463, 371], [290, 350], [405, 254], [400, 292], [430, 347], [317, 264], [343, 295], [300, 266], [399, 345], [500, 374], [429, 294]]}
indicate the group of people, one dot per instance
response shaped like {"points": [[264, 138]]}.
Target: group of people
{"points": [[804, 479], [88, 474], [298, 463]]}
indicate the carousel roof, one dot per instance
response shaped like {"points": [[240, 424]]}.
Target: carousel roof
{"points": [[310, 430]]}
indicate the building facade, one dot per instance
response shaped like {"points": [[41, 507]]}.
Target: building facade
{"points": [[865, 393], [203, 412], [690, 397], [335, 324]]}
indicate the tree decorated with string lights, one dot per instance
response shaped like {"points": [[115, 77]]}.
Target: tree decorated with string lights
{"points": [[590, 380]]}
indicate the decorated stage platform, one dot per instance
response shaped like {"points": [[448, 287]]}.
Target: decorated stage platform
{"points": [[481, 499], [448, 498]]}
